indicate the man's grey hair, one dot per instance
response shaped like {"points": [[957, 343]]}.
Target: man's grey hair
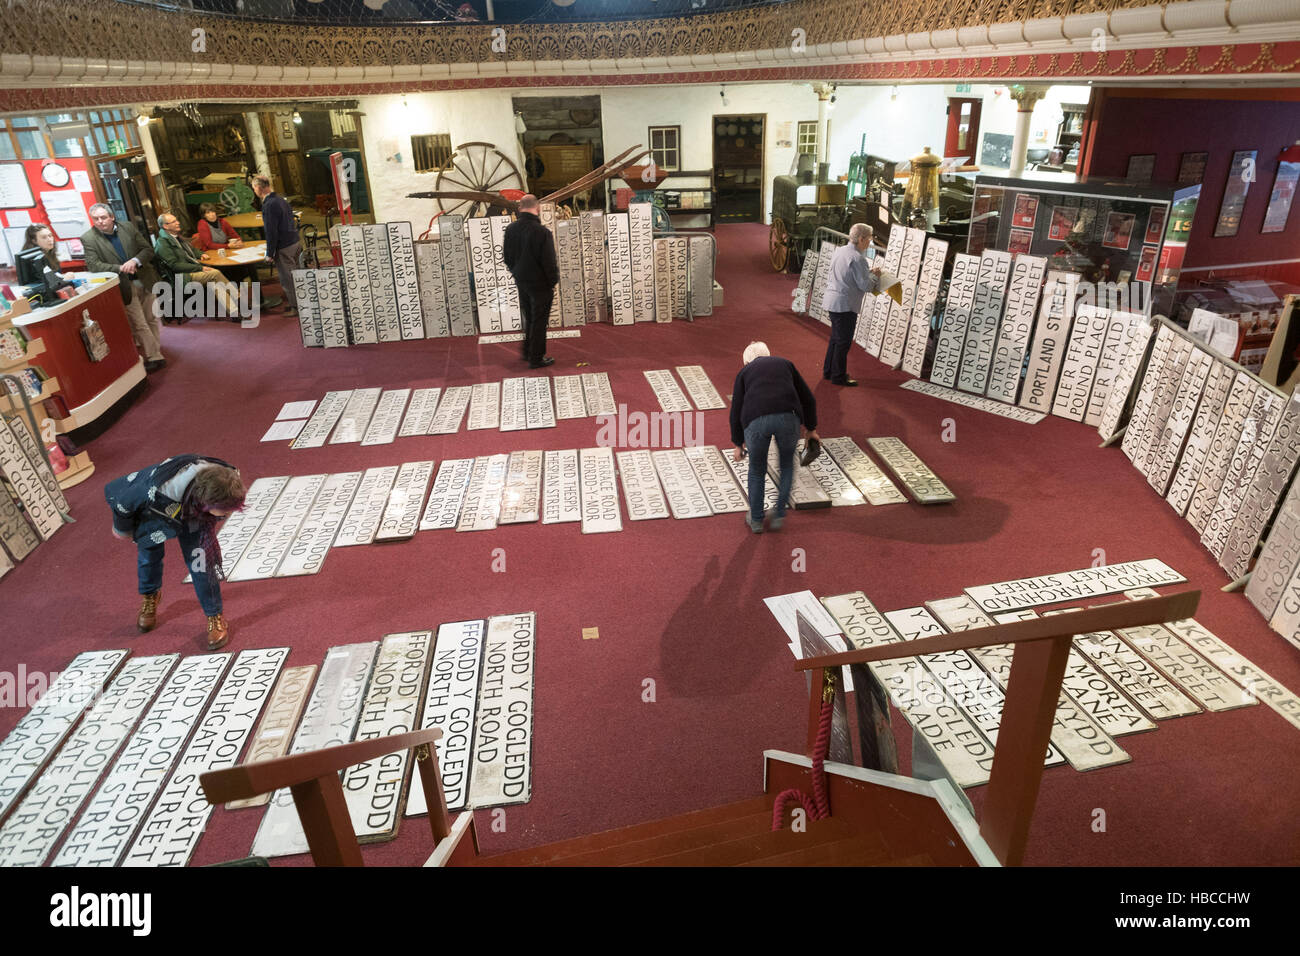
{"points": [[860, 230], [100, 205], [162, 220], [262, 182], [755, 350]]}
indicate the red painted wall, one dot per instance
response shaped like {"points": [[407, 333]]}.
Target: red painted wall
{"points": [[38, 213], [1220, 122]]}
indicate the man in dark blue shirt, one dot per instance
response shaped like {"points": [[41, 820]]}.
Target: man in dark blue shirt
{"points": [[770, 400], [282, 243]]}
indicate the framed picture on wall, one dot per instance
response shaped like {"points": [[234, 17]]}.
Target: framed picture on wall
{"points": [[1141, 167], [1241, 173], [1191, 168], [1279, 201]]}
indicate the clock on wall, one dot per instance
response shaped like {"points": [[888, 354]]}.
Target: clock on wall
{"points": [[55, 175]]}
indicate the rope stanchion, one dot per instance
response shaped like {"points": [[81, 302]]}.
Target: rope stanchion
{"points": [[818, 805]]}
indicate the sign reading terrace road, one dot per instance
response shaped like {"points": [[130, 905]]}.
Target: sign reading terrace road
{"points": [[1073, 585]]}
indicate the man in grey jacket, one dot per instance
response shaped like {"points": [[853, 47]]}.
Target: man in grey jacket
{"points": [[118, 247], [850, 278]]}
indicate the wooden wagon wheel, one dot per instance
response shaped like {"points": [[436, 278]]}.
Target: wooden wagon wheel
{"points": [[476, 167], [778, 245]]}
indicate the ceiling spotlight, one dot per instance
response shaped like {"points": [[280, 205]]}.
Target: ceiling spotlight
{"points": [[297, 117], [893, 93]]}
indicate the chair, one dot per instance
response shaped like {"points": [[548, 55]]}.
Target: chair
{"points": [[309, 237]]}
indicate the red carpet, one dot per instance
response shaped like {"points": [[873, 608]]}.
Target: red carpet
{"points": [[678, 603]]}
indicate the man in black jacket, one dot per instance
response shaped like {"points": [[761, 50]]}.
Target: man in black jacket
{"points": [[529, 253]]}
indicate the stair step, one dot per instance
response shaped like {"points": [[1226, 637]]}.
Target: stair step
{"points": [[758, 846], [676, 841], [859, 850], [553, 853]]}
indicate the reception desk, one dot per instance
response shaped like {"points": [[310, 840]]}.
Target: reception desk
{"points": [[89, 388]]}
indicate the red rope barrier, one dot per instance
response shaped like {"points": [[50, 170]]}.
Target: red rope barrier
{"points": [[818, 806]]}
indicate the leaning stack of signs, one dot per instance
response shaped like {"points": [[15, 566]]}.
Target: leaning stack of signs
{"points": [[32, 506]]}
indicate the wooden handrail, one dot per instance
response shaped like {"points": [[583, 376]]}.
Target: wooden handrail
{"points": [[313, 779], [1032, 693], [1170, 607]]}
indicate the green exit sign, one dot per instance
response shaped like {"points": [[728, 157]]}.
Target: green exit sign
{"points": [[116, 147], [963, 87]]}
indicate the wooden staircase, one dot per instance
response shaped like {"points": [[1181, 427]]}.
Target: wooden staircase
{"points": [[878, 818]]}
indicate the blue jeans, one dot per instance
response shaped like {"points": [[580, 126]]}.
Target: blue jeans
{"points": [[206, 585], [758, 435]]}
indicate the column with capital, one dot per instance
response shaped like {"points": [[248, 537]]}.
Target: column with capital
{"points": [[1026, 98]]}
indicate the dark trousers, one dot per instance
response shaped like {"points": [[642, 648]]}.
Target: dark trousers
{"points": [[535, 309], [843, 325], [206, 585], [759, 435]]}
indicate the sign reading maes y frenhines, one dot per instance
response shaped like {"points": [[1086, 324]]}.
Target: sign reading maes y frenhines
{"points": [[1072, 585]]}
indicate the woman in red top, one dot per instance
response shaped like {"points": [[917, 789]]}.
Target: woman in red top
{"points": [[215, 232]]}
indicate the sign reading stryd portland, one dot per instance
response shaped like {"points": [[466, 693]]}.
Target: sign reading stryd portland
{"points": [[1072, 585]]}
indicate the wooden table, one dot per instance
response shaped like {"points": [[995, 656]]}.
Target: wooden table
{"points": [[246, 220], [218, 259]]}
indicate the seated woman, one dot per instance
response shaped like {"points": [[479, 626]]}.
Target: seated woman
{"points": [[215, 232], [32, 266]]}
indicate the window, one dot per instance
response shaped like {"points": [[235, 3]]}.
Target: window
{"points": [[431, 152], [808, 137], [665, 146]]}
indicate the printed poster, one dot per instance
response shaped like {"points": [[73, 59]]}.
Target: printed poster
{"points": [[1063, 219], [1119, 230], [1026, 211]]}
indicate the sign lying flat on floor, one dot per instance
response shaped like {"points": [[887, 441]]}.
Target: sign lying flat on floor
{"points": [[116, 810], [670, 396], [330, 720], [974, 401], [862, 471], [450, 410], [701, 390], [1102, 700], [503, 733], [484, 406], [641, 492], [419, 414], [52, 803], [519, 499], [599, 491], [561, 497], [31, 744], [805, 492], [1074, 585], [172, 830], [450, 702], [569, 402], [598, 393], [482, 504], [514, 408], [375, 790], [405, 502], [958, 673], [367, 508], [449, 488], [1188, 669], [1239, 670], [306, 555], [923, 484], [537, 401], [833, 481], [720, 488], [1149, 688], [274, 731], [283, 431], [682, 489], [740, 469], [240, 527], [265, 552], [356, 416], [387, 417]]}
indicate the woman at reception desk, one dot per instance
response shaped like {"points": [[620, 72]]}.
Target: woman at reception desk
{"points": [[88, 347]]}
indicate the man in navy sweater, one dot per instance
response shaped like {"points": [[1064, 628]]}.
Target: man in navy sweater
{"points": [[282, 243], [770, 400]]}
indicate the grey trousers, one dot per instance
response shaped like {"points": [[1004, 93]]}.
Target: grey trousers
{"points": [[286, 260], [146, 330]]}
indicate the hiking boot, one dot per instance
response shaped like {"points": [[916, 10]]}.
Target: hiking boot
{"points": [[218, 632], [147, 619]]}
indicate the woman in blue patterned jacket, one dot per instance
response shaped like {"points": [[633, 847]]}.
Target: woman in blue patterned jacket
{"points": [[185, 497]]}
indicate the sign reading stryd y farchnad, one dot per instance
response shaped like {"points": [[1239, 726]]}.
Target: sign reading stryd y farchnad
{"points": [[1073, 585]]}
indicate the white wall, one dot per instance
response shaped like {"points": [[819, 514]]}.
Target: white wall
{"points": [[896, 127], [998, 112]]}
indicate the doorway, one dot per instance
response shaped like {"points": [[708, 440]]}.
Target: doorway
{"points": [[738, 167], [126, 190], [963, 127]]}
